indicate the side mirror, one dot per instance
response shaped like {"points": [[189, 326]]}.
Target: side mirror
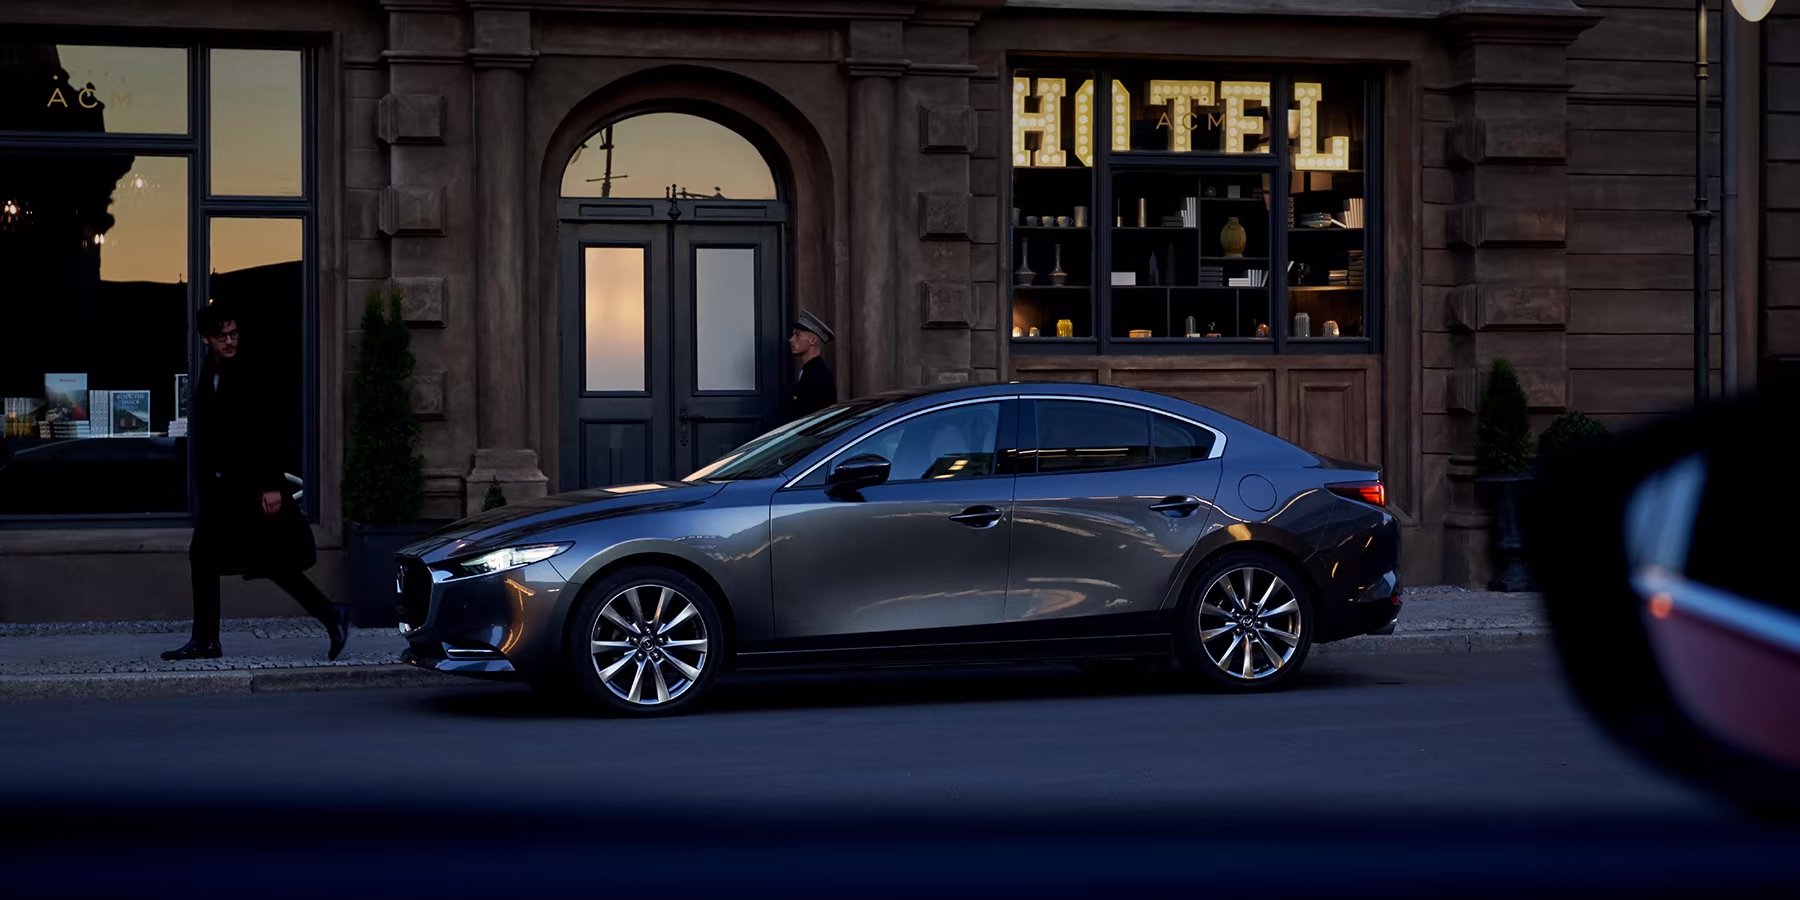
{"points": [[1665, 557], [858, 472]]}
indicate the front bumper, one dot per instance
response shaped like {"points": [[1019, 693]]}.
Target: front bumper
{"points": [[500, 626]]}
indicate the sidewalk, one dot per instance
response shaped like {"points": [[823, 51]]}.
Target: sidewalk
{"points": [[117, 660]]}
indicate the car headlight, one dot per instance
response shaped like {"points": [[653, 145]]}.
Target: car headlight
{"points": [[508, 558]]}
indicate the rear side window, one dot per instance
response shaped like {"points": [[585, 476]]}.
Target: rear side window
{"points": [[1177, 441], [1073, 436]]}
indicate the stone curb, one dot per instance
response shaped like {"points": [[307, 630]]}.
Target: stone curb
{"points": [[1475, 641], [144, 685]]}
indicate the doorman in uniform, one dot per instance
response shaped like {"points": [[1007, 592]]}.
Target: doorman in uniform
{"points": [[816, 388]]}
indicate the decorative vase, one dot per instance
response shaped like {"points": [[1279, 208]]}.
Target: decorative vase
{"points": [[1057, 276], [1024, 275], [1233, 237], [1302, 325], [1191, 329], [1065, 328], [1155, 273]]}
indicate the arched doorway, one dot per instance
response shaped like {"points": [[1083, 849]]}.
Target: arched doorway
{"points": [[671, 299]]}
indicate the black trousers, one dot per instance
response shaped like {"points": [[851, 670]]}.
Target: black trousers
{"points": [[206, 599]]}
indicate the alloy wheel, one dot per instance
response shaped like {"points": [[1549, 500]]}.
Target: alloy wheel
{"points": [[1250, 623], [649, 660]]}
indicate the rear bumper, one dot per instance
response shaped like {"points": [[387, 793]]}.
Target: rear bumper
{"points": [[1374, 609]]}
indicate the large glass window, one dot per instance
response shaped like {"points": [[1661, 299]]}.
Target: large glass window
{"points": [[1173, 207], [668, 156], [102, 180]]}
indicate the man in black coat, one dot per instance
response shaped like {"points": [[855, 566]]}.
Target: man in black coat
{"points": [[816, 387], [246, 523]]}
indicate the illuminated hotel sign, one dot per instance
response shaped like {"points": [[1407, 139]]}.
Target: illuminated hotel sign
{"points": [[1184, 102]]}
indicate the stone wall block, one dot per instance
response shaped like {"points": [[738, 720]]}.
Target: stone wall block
{"points": [[946, 129], [1489, 225], [932, 375], [943, 216], [423, 303], [429, 391], [947, 304], [411, 119], [1508, 139], [1474, 308], [412, 210]]}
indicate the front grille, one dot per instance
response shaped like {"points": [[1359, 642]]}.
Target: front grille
{"points": [[413, 585]]}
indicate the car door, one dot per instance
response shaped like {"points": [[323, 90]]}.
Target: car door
{"points": [[927, 549], [1109, 498]]}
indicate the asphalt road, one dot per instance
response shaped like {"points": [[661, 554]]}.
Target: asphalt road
{"points": [[1360, 752]]}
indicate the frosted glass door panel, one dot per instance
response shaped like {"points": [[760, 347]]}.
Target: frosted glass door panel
{"points": [[613, 286], [725, 318]]}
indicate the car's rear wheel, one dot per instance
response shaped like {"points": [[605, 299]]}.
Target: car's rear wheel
{"points": [[1247, 623], [647, 641]]}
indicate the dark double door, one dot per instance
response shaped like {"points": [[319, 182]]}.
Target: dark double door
{"points": [[672, 345]]}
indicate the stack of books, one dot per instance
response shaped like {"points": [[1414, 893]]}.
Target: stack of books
{"points": [[178, 428], [1355, 272], [71, 429], [1340, 278], [1211, 276], [1252, 278], [21, 416], [1353, 213]]}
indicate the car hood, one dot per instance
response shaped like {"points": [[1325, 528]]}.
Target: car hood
{"points": [[516, 522]]}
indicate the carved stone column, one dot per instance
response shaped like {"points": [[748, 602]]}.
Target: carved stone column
{"points": [[501, 55], [874, 66], [1507, 230]]}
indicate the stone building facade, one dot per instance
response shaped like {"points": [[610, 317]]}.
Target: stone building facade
{"points": [[1522, 171]]}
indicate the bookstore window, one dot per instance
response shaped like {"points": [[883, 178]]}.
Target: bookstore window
{"points": [[1164, 207], [108, 209]]}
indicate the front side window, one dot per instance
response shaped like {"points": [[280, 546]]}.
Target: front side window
{"points": [[960, 442], [1075, 436], [102, 183]]}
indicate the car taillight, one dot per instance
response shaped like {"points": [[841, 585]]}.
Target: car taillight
{"points": [[1371, 492]]}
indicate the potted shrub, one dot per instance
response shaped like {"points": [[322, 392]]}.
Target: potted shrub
{"points": [[1504, 457], [384, 473], [1569, 432]]}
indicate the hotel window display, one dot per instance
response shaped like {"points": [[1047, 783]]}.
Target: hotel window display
{"points": [[1206, 236], [95, 217]]}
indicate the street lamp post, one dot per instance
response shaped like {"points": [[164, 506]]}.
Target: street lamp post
{"points": [[1753, 11]]}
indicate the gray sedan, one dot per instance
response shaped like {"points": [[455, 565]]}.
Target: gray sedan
{"points": [[1101, 525]]}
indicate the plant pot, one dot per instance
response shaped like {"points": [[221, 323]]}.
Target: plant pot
{"points": [[369, 570], [1505, 494]]}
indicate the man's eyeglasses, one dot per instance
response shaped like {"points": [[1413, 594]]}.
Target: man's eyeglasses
{"points": [[223, 336]]}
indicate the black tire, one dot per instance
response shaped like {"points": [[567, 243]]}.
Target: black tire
{"points": [[584, 670], [1202, 658]]}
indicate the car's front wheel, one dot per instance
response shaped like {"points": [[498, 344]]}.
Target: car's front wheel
{"points": [[646, 641], [1247, 623]]}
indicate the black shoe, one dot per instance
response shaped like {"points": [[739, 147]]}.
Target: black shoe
{"points": [[195, 649], [339, 629]]}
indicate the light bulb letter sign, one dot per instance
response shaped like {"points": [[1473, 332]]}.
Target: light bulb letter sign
{"points": [[1085, 121], [1046, 123], [1238, 124], [1181, 97], [1336, 155]]}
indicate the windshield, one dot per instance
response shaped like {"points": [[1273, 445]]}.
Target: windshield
{"points": [[769, 455]]}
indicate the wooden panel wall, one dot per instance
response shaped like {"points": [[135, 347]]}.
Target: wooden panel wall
{"points": [[1327, 404], [1781, 180], [1631, 185]]}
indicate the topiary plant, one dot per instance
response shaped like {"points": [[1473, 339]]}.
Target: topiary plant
{"points": [[1503, 438], [495, 498], [1569, 431], [384, 474]]}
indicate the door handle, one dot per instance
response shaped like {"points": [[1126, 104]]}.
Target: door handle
{"points": [[1179, 506], [979, 517], [685, 419]]}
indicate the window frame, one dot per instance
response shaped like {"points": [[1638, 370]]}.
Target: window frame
{"points": [[1277, 164], [202, 208]]}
